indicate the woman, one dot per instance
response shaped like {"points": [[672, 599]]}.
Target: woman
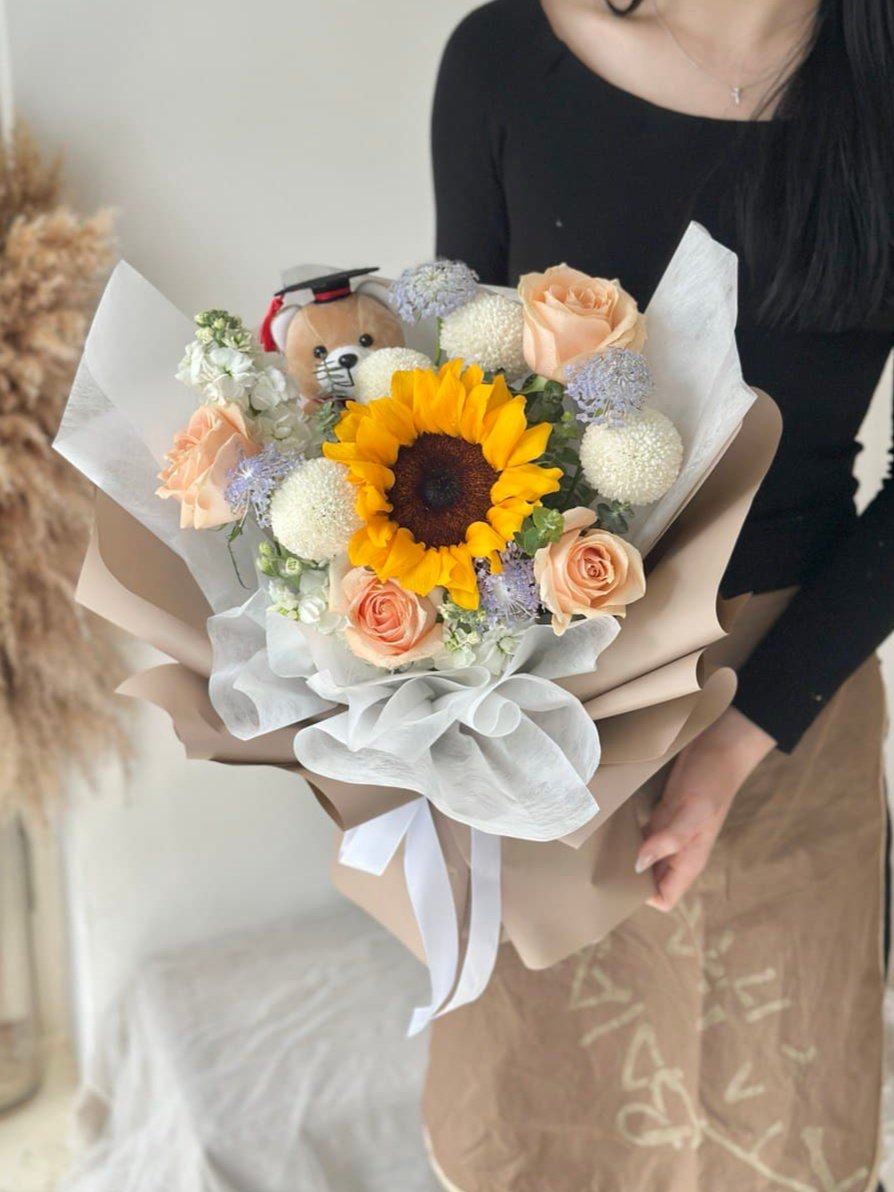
{"points": [[734, 1040]]}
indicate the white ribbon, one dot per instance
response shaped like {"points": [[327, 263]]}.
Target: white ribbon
{"points": [[371, 847]]}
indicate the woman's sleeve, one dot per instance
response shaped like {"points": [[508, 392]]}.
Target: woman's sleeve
{"points": [[842, 613], [466, 143]]}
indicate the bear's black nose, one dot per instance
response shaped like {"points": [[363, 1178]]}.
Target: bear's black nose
{"points": [[348, 360]]}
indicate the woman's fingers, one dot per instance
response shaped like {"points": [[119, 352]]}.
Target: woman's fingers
{"points": [[672, 827], [701, 785], [674, 876]]}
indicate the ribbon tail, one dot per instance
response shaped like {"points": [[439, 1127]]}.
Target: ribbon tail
{"points": [[485, 919], [432, 897], [372, 846]]}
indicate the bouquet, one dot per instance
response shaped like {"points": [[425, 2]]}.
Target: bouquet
{"points": [[463, 585]]}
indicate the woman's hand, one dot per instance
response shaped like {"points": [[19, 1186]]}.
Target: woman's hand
{"points": [[686, 821]]}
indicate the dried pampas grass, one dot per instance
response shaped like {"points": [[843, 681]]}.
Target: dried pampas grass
{"points": [[58, 664]]}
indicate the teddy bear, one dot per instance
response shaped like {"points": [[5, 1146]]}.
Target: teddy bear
{"points": [[325, 339]]}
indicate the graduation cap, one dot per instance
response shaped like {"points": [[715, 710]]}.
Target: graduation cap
{"points": [[328, 288]]}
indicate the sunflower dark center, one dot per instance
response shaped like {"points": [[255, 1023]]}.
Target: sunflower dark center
{"points": [[441, 485], [441, 491]]}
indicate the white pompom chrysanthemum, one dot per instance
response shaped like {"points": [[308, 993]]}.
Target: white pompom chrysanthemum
{"points": [[487, 331], [372, 377], [636, 462], [312, 513]]}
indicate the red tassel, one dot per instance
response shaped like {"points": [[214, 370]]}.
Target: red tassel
{"points": [[265, 335]]}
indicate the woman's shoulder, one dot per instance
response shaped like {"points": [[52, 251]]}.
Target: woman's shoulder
{"points": [[502, 30], [496, 18]]}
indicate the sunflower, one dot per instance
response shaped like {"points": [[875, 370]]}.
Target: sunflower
{"points": [[445, 475]]}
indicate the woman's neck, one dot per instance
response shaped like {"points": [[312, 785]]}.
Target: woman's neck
{"points": [[754, 22], [716, 58], [743, 33]]}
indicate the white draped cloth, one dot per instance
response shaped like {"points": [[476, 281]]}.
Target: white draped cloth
{"points": [[265, 1062]]}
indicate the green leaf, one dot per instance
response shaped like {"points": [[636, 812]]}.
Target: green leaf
{"points": [[546, 405], [534, 383], [614, 516], [549, 523]]}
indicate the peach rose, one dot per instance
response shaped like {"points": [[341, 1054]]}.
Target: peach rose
{"points": [[199, 464], [592, 574], [387, 625], [568, 314]]}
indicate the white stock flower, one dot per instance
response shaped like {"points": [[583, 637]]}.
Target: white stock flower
{"points": [[487, 331], [286, 426], [309, 602], [272, 388], [192, 367], [467, 646], [312, 513], [372, 376], [637, 462], [220, 375]]}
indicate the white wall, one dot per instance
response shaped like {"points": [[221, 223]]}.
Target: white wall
{"points": [[236, 139]]}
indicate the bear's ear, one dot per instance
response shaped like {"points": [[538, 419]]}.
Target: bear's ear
{"points": [[378, 288], [275, 327]]}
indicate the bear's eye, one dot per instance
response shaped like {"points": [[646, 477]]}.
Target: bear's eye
{"points": [[321, 351], [365, 340]]}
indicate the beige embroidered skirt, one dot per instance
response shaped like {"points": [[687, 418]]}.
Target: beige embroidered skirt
{"points": [[734, 1045]]}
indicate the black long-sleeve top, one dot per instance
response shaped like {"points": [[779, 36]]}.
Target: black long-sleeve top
{"points": [[537, 160]]}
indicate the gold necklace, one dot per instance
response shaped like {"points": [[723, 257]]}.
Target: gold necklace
{"points": [[736, 90]]}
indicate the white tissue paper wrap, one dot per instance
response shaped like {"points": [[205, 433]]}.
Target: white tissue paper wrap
{"points": [[510, 754]]}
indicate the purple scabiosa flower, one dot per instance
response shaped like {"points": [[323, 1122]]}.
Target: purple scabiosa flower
{"points": [[609, 386], [511, 597], [434, 289], [255, 478]]}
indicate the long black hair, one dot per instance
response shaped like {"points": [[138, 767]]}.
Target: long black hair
{"points": [[820, 204]]}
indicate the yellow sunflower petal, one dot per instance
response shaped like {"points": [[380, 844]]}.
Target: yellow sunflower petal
{"points": [[344, 452], [428, 574], [475, 407], [404, 554], [531, 445], [472, 376], [503, 428], [442, 416], [361, 471], [501, 393], [429, 388], [376, 443], [371, 501], [482, 540], [362, 551], [346, 427], [527, 481], [395, 417], [403, 384], [451, 368], [507, 517], [381, 530], [463, 585]]}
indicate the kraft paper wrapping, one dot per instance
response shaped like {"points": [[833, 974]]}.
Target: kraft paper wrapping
{"points": [[653, 692]]}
